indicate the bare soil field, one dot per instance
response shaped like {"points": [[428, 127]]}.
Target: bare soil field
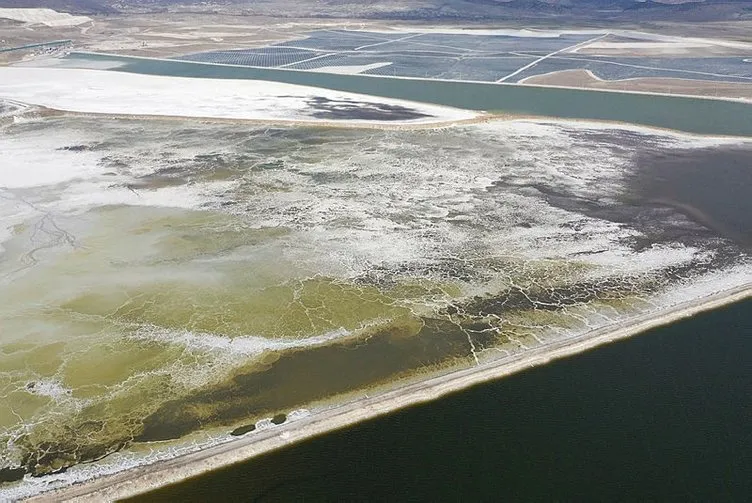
{"points": [[583, 78], [172, 33], [168, 34], [658, 45], [728, 30]]}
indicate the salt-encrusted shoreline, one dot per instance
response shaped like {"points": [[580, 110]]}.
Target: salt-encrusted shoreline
{"points": [[148, 477], [118, 93]]}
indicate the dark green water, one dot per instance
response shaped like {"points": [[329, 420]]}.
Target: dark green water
{"points": [[694, 115], [666, 416]]}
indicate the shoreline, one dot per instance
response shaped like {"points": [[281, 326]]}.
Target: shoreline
{"points": [[401, 77], [340, 124], [142, 479], [483, 117], [106, 92]]}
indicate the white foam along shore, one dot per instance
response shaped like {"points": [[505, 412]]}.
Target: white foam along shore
{"points": [[103, 92], [148, 477]]}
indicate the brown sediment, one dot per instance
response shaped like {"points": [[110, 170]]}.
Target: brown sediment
{"points": [[308, 375], [348, 124], [666, 85], [548, 298], [483, 117]]}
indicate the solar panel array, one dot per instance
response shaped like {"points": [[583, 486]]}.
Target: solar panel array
{"points": [[268, 57], [467, 57]]}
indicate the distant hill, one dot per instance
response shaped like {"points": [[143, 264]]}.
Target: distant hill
{"points": [[70, 6], [579, 10], [460, 10], [617, 10]]}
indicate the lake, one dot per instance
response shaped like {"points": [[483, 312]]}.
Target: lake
{"points": [[660, 417]]}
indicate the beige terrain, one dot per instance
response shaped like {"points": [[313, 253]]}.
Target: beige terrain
{"points": [[168, 34], [730, 30], [704, 88], [633, 43], [172, 34]]}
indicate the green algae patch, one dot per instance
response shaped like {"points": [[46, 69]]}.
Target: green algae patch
{"points": [[424, 291], [131, 373], [553, 296], [209, 234], [20, 403], [307, 375], [124, 358], [295, 309], [84, 434], [39, 359], [152, 389], [165, 235]]}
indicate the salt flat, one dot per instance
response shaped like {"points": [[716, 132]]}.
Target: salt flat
{"points": [[102, 92], [164, 282]]}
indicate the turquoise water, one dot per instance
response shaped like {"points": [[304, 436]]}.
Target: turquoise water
{"points": [[694, 115]]}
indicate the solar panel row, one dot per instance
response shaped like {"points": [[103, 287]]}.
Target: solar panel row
{"points": [[467, 57]]}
